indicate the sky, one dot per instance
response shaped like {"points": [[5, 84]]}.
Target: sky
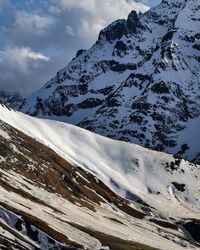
{"points": [[39, 37]]}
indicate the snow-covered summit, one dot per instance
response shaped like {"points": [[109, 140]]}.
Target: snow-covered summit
{"points": [[139, 82], [120, 28]]}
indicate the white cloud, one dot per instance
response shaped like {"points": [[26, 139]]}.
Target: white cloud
{"points": [[20, 56], [29, 22], [97, 5], [27, 53], [54, 10], [86, 5], [37, 26], [20, 67], [69, 30], [96, 14]]}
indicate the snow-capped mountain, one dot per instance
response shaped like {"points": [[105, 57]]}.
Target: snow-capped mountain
{"points": [[138, 83], [69, 174], [11, 100]]}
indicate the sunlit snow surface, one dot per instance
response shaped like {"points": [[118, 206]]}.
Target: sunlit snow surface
{"points": [[125, 168]]}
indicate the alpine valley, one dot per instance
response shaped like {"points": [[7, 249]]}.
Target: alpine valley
{"points": [[106, 155]]}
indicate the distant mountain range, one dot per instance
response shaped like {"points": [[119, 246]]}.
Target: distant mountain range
{"points": [[13, 100]]}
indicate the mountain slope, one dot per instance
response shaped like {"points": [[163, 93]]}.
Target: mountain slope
{"points": [[34, 178], [48, 203], [130, 170], [138, 83]]}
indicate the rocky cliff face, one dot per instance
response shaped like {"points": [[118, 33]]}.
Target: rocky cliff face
{"points": [[138, 83]]}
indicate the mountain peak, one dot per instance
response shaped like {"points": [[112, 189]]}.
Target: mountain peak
{"points": [[121, 27], [135, 22], [138, 83]]}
